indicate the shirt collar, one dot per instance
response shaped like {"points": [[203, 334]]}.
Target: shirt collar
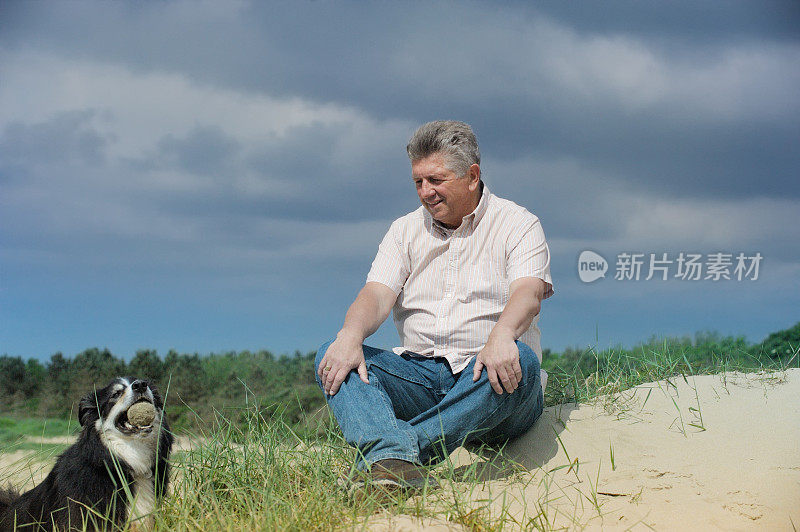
{"points": [[472, 218], [483, 204]]}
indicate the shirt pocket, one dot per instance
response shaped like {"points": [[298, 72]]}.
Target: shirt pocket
{"points": [[485, 281]]}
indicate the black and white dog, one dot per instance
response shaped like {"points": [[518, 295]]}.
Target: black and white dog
{"points": [[112, 476]]}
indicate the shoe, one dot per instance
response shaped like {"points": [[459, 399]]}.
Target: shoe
{"points": [[386, 479], [404, 474]]}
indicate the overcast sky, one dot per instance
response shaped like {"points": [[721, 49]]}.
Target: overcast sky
{"points": [[211, 176]]}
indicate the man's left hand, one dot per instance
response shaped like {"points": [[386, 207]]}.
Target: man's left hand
{"points": [[500, 357]]}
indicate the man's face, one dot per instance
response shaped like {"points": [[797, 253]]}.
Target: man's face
{"points": [[445, 195]]}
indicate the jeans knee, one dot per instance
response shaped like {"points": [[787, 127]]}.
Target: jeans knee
{"points": [[528, 360]]}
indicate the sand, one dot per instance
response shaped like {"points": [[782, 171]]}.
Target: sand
{"points": [[737, 469], [741, 472], [24, 469]]}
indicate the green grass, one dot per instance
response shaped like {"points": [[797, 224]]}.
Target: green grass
{"points": [[14, 429], [47, 449], [266, 477], [585, 375]]}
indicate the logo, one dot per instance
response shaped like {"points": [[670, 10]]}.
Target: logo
{"points": [[591, 266], [684, 266]]}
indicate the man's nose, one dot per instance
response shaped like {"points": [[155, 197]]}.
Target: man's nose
{"points": [[139, 386], [426, 189]]}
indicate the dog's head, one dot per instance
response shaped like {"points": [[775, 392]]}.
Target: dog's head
{"points": [[107, 408]]}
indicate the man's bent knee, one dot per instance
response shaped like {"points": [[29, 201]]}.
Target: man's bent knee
{"points": [[528, 361], [318, 358]]}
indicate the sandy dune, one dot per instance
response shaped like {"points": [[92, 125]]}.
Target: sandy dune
{"points": [[741, 473]]}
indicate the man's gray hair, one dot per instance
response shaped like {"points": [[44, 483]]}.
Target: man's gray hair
{"points": [[454, 139]]}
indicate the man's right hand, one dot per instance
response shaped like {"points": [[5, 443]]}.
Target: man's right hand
{"points": [[343, 356], [365, 315]]}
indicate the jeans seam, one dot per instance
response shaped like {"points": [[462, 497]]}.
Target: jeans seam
{"points": [[391, 409], [395, 374], [385, 400], [504, 400]]}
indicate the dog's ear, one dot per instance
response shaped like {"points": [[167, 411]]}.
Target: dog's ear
{"points": [[88, 408], [158, 402]]}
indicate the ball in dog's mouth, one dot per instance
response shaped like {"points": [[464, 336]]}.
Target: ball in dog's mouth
{"points": [[139, 417], [141, 414]]}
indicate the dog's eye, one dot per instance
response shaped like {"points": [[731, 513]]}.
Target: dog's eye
{"points": [[116, 394]]}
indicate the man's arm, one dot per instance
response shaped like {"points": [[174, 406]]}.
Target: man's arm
{"points": [[365, 315], [500, 355]]}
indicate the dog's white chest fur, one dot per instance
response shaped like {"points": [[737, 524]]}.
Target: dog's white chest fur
{"points": [[139, 454], [143, 504]]}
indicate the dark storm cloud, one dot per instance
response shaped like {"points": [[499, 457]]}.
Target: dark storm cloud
{"points": [[173, 185], [688, 19], [536, 83], [204, 151], [702, 160], [495, 68], [317, 172], [303, 154], [67, 137]]}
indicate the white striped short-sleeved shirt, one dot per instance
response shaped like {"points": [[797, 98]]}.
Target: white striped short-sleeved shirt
{"points": [[453, 284]]}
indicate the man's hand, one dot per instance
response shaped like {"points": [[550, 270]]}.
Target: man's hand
{"points": [[500, 356], [343, 356], [365, 315]]}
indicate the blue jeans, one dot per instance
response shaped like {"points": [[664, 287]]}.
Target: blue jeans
{"points": [[415, 409]]}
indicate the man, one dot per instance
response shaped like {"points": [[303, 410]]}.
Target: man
{"points": [[465, 274]]}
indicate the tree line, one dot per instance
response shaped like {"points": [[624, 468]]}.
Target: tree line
{"points": [[196, 388], [200, 389]]}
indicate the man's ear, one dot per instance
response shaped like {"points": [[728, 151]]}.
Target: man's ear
{"points": [[474, 174], [87, 408]]}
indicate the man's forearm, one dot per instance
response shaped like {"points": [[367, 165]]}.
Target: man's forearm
{"points": [[499, 355], [369, 310], [345, 354], [523, 305]]}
